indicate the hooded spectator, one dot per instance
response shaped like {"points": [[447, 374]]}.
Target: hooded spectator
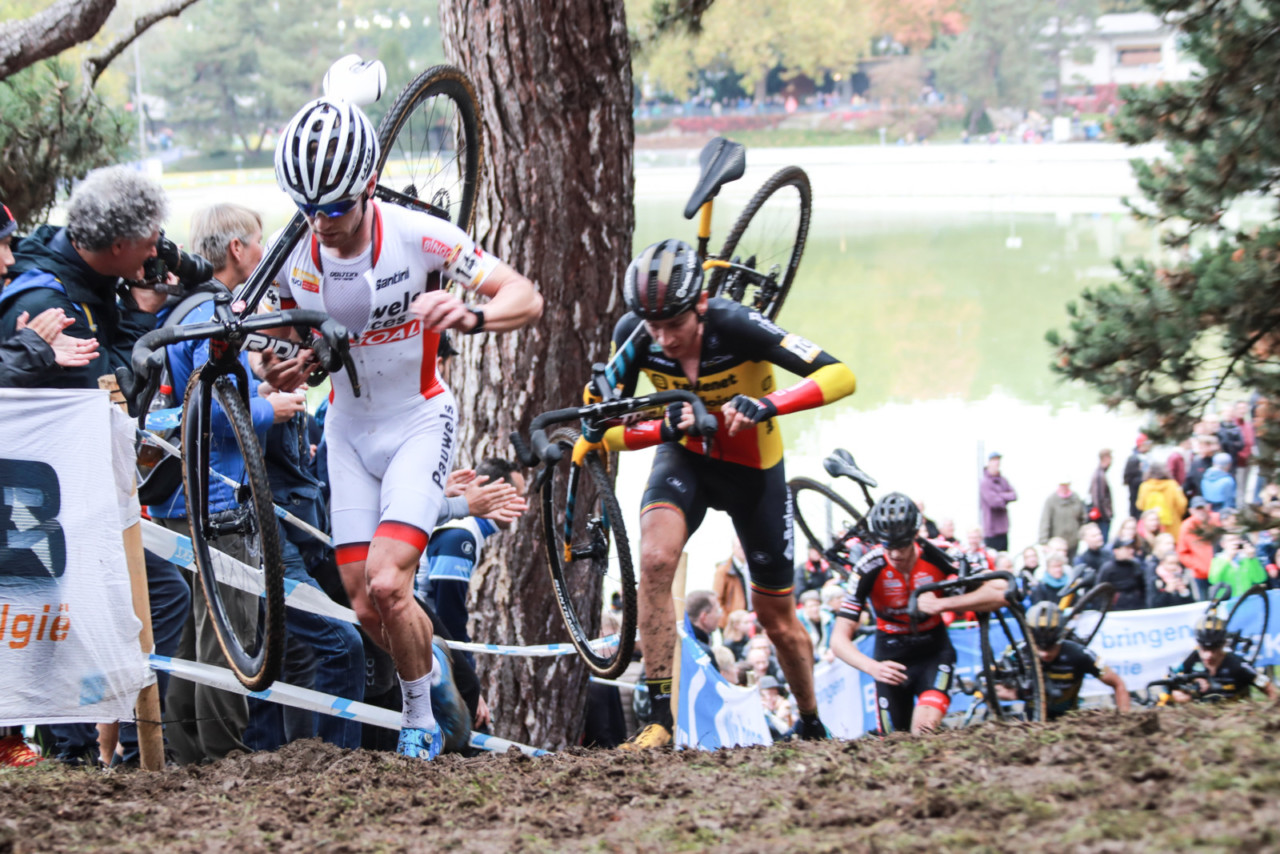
{"points": [[1162, 493], [1218, 486]]}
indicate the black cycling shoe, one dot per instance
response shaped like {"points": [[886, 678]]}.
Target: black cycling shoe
{"points": [[812, 730]]}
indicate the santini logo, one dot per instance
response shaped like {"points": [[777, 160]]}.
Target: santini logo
{"points": [[394, 278]]}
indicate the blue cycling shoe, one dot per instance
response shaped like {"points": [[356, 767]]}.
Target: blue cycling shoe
{"points": [[447, 704], [417, 743]]}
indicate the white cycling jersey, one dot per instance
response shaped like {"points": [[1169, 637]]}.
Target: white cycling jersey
{"points": [[394, 357], [390, 449]]}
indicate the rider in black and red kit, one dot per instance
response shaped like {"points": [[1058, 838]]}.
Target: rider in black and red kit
{"points": [[913, 665]]}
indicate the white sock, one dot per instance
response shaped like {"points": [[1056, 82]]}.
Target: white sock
{"points": [[417, 712]]}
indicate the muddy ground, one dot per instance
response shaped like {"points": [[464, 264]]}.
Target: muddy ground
{"points": [[1203, 778]]}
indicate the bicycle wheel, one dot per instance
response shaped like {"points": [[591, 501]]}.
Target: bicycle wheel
{"points": [[250, 628], [587, 552], [1021, 666], [768, 236], [823, 516], [1096, 601], [1252, 610], [987, 679], [429, 143]]}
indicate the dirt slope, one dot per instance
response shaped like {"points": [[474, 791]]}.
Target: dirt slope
{"points": [[1204, 778]]}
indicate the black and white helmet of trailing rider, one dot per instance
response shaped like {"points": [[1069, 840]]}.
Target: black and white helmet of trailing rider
{"points": [[1211, 631], [895, 520], [1045, 621], [327, 153]]}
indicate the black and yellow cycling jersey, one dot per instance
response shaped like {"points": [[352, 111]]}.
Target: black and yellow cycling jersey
{"points": [[739, 350], [1233, 678]]}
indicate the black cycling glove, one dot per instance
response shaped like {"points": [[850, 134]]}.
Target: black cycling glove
{"points": [[756, 410], [670, 430]]}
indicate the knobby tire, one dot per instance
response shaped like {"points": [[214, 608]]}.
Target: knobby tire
{"points": [[440, 81], [257, 663], [572, 597], [787, 177]]}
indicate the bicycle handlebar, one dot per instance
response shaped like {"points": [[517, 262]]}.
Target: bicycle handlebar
{"points": [[540, 448], [140, 382], [971, 582]]}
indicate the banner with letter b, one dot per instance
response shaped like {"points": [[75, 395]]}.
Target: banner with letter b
{"points": [[68, 635]]}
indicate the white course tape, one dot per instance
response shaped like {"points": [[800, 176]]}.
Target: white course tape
{"points": [[284, 515], [314, 701], [177, 549]]}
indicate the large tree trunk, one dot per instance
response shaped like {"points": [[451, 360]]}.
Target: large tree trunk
{"points": [[554, 80]]}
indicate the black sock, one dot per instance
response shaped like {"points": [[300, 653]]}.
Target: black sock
{"points": [[660, 701], [809, 717]]}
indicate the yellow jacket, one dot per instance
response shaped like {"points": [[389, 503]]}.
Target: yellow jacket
{"points": [[1167, 497]]}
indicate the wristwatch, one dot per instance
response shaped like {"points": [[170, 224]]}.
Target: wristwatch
{"points": [[479, 327]]}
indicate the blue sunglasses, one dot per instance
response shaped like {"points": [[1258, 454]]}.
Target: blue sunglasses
{"points": [[331, 210]]}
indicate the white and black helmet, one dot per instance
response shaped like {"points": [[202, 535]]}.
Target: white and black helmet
{"points": [[664, 280], [328, 152]]}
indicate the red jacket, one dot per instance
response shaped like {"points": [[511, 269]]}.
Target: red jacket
{"points": [[1193, 552]]}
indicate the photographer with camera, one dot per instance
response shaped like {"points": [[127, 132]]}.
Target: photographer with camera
{"points": [[92, 270]]}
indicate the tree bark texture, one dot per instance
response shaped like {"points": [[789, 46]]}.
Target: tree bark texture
{"points": [[64, 24], [555, 202]]}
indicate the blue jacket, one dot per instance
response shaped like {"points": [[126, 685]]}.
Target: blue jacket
{"points": [[1218, 488], [224, 456]]}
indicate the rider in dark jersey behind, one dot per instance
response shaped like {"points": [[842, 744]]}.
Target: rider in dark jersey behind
{"points": [[1065, 664], [724, 352], [913, 665], [1217, 671]]}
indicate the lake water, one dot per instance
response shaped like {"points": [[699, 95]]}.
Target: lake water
{"points": [[934, 274]]}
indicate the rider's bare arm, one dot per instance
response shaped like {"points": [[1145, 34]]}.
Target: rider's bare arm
{"points": [[513, 303], [1113, 681], [889, 672], [988, 597]]}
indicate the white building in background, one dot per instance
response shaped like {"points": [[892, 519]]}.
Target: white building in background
{"points": [[1129, 49]]}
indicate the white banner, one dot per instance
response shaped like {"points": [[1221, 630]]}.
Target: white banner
{"points": [[68, 636], [1141, 645], [712, 713], [846, 699]]}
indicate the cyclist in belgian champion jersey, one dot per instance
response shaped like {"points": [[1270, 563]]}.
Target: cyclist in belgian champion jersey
{"points": [[911, 663], [1216, 671], [1065, 664], [724, 352], [369, 267]]}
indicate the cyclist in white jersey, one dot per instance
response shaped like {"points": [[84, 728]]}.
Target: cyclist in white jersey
{"points": [[372, 268]]}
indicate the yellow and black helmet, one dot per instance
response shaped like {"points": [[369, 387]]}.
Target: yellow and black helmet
{"points": [[1211, 631], [1045, 621]]}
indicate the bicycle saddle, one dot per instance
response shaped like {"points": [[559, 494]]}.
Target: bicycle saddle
{"points": [[722, 161], [841, 464]]}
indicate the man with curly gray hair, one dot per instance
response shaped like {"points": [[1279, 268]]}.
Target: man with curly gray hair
{"points": [[113, 221]]}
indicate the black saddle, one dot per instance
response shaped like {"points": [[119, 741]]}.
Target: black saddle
{"points": [[841, 464], [722, 161]]}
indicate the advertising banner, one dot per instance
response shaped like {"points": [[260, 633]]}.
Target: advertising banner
{"points": [[68, 635]]}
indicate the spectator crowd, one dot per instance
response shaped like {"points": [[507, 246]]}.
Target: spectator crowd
{"points": [[68, 313]]}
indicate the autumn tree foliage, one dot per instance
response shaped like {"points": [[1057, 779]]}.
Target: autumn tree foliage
{"points": [[1171, 337]]}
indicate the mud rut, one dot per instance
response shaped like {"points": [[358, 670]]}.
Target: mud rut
{"points": [[1203, 778]]}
